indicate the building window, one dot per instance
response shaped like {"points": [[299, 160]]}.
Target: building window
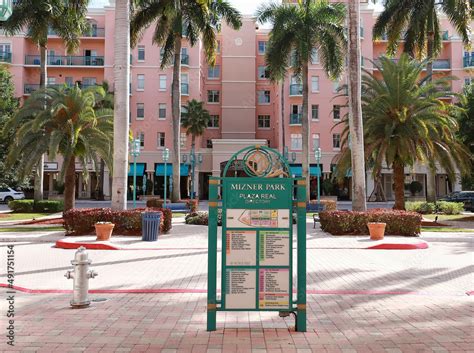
{"points": [[263, 73], [315, 112], [160, 139], [316, 141], [218, 48], [213, 96], [141, 137], [140, 82], [183, 139], [140, 110], [213, 121], [336, 141], [162, 82], [314, 56], [335, 86], [5, 48], [162, 53], [468, 81], [262, 47], [51, 81], [296, 142], [263, 97], [141, 53], [336, 112], [69, 81], [213, 72], [209, 143], [88, 81], [162, 111], [314, 84], [263, 121]]}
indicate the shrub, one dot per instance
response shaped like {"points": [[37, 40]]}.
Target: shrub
{"points": [[202, 218], [192, 205], [129, 222], [155, 203], [450, 207], [355, 223], [48, 206], [415, 186], [329, 205], [420, 207], [21, 206]]}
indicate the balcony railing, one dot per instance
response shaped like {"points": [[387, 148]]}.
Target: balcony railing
{"points": [[441, 64], [29, 88], [185, 89], [184, 59], [296, 90], [295, 119], [94, 32], [66, 60], [5, 57], [468, 61]]}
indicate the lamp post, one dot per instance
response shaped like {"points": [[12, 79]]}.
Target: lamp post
{"points": [[135, 152], [166, 156], [5, 9], [193, 161], [317, 156]]}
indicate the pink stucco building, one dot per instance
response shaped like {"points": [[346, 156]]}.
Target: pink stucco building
{"points": [[245, 106]]}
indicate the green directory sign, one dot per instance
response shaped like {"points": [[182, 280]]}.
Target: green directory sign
{"points": [[257, 238]]}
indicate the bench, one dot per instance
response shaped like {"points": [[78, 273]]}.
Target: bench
{"points": [[177, 207], [315, 207]]}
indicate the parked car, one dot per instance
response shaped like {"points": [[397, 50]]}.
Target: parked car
{"points": [[8, 194], [466, 197]]}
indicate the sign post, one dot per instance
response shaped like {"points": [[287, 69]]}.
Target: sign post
{"points": [[257, 237]]}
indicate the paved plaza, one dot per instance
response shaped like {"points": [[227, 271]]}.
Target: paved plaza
{"points": [[358, 300]]}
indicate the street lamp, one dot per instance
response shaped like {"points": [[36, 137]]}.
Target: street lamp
{"points": [[317, 156], [5, 9], [193, 161], [135, 152], [166, 157]]}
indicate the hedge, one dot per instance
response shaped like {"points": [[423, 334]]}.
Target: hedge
{"points": [[192, 205], [329, 205], [129, 222], [431, 207], [202, 218], [28, 206], [355, 223]]}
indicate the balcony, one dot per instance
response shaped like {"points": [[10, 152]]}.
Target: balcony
{"points": [[185, 89], [92, 61], [295, 119], [468, 61], [185, 59], [296, 90], [5, 57], [441, 64], [94, 32]]}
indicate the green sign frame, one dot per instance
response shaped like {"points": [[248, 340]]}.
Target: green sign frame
{"points": [[258, 210]]}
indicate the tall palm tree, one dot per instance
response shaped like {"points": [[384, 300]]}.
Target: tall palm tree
{"points": [[175, 20], [297, 29], [67, 19], [121, 103], [195, 119], [423, 35], [62, 121], [355, 109], [406, 122]]}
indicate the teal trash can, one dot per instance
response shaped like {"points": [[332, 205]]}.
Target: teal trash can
{"points": [[150, 225]]}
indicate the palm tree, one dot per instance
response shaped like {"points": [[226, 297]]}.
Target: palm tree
{"points": [[297, 29], [195, 119], [406, 122], [175, 20], [355, 109], [121, 103], [67, 19], [62, 121], [423, 35]]}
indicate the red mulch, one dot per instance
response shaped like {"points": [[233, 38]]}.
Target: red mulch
{"points": [[45, 221]]}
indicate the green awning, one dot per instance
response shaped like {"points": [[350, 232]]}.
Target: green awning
{"points": [[297, 170], [160, 169], [140, 169]]}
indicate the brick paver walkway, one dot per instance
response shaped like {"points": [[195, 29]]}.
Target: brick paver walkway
{"points": [[438, 317]]}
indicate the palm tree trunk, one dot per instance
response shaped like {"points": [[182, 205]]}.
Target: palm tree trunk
{"points": [[70, 184], [355, 110], [305, 129], [431, 177], [283, 140], [399, 185], [39, 172], [176, 112], [121, 104]]}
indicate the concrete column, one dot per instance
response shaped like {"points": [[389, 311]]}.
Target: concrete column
{"points": [[106, 185], [370, 183]]}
